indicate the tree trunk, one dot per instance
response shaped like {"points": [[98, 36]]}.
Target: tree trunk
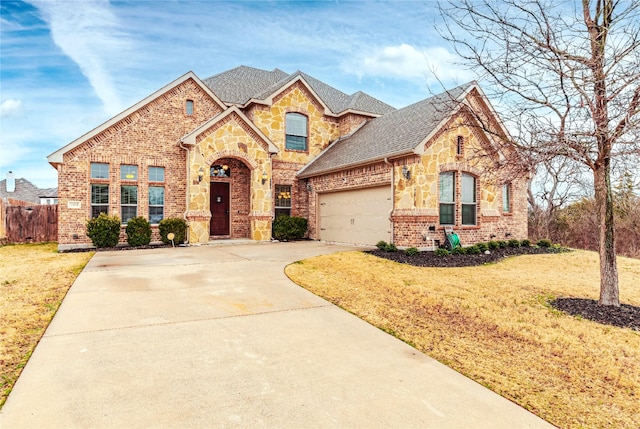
{"points": [[609, 294]]}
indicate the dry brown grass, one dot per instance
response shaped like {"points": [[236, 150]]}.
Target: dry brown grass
{"points": [[34, 279], [493, 324]]}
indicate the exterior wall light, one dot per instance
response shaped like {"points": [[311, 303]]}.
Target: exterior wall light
{"points": [[200, 174], [264, 177], [406, 173]]}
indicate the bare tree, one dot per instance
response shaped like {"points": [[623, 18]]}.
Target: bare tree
{"points": [[566, 77]]}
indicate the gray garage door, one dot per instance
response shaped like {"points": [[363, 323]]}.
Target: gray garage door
{"points": [[359, 216]]}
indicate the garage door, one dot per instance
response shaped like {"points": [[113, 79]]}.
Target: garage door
{"points": [[359, 216]]}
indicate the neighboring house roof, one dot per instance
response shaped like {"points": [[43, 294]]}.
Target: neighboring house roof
{"points": [[57, 156], [243, 84], [26, 191], [398, 133]]}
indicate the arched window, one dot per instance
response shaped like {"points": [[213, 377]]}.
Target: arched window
{"points": [[452, 202], [296, 132]]}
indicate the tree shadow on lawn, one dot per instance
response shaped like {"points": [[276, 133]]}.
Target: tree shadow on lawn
{"points": [[625, 316]]}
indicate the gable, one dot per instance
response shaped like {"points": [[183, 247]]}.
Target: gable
{"points": [[148, 107]]}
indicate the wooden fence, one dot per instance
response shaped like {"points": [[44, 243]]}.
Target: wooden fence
{"points": [[31, 224]]}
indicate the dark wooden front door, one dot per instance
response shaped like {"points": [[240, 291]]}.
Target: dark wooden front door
{"points": [[219, 208]]}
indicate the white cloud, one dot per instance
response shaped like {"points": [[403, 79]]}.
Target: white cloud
{"points": [[89, 33], [407, 62], [10, 107]]}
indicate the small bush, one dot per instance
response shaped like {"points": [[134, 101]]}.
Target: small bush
{"points": [[411, 251], [289, 228], [473, 250], [513, 243], [525, 243], [174, 225], [458, 250], [544, 243], [138, 232], [104, 230], [381, 245], [502, 244], [391, 248], [493, 245], [441, 251], [482, 246]]}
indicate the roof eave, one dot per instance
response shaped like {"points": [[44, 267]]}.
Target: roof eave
{"points": [[387, 157]]}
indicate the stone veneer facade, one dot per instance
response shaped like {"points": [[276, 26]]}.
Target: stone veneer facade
{"points": [[251, 141]]}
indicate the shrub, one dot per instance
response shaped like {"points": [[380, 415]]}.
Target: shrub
{"points": [[104, 230], [482, 246], [544, 243], [411, 251], [502, 244], [513, 243], [441, 251], [458, 250], [473, 250], [391, 248], [493, 245], [138, 232], [174, 225], [381, 245], [289, 227], [525, 243]]}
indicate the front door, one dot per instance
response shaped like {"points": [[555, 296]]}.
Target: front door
{"points": [[219, 208]]}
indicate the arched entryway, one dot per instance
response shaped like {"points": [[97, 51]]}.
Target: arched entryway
{"points": [[230, 199]]}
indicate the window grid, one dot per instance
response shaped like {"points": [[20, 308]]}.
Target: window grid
{"points": [[156, 204], [128, 172], [156, 174], [99, 200], [128, 203], [296, 132], [283, 200], [99, 170]]}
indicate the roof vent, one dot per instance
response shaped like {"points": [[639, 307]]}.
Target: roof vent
{"points": [[11, 182]]}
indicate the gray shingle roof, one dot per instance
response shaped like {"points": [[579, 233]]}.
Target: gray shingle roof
{"points": [[395, 133], [26, 191], [243, 83]]}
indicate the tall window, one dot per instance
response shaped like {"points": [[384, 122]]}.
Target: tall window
{"points": [[99, 170], [296, 131], [283, 200], [128, 202], [460, 145], [506, 198], [99, 200], [468, 199], [188, 107], [447, 198], [156, 204]]}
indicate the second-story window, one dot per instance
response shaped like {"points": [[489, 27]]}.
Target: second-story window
{"points": [[296, 132], [188, 107]]}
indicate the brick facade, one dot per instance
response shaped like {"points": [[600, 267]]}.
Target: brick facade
{"points": [[250, 141]]}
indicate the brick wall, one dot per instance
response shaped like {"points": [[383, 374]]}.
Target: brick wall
{"points": [[147, 137]]}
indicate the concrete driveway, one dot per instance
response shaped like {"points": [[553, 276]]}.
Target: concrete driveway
{"points": [[217, 336]]}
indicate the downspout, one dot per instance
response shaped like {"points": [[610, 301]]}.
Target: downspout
{"points": [[184, 215], [386, 160]]}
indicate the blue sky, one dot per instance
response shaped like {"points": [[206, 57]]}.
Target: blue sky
{"points": [[68, 66]]}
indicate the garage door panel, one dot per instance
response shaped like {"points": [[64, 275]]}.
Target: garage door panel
{"points": [[357, 216]]}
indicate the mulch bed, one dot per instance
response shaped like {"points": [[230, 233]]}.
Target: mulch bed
{"points": [[625, 316]]}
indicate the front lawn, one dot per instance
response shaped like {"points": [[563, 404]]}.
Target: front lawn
{"points": [[34, 278], [494, 324]]}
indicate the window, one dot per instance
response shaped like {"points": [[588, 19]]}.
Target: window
{"points": [[128, 172], [156, 174], [283, 200], [460, 145], [99, 170], [99, 200], [447, 198], [188, 107], [468, 199], [506, 198], [128, 202], [156, 204], [296, 137]]}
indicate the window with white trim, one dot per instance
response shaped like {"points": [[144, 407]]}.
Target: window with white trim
{"points": [[296, 132], [188, 107], [468, 199], [156, 174], [128, 202], [283, 200], [447, 198]]}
